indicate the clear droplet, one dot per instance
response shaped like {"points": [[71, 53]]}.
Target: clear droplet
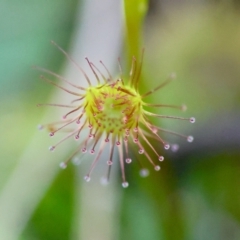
{"points": [[51, 148], [78, 122], [104, 181], [184, 107], [84, 150], [90, 126], [166, 146], [76, 137], [174, 147], [63, 165], [161, 158], [51, 134], [76, 161], [109, 162], [125, 184], [64, 117], [190, 138], [135, 129], [107, 140], [157, 168], [144, 172], [128, 160], [40, 127], [92, 151], [141, 151], [118, 143], [87, 178], [192, 120]]}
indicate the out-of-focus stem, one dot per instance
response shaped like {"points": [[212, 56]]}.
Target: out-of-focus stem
{"points": [[97, 36]]}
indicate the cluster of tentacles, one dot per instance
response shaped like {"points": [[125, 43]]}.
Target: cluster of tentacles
{"points": [[114, 113]]}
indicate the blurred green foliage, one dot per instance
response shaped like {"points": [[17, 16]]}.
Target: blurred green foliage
{"points": [[53, 217], [196, 195], [26, 30]]}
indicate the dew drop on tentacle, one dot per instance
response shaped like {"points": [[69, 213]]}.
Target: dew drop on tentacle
{"points": [[184, 108], [160, 158], [192, 120], [166, 146], [40, 127], [125, 184], [63, 165], [128, 160], [135, 140], [87, 178], [154, 129], [174, 147], [141, 151], [51, 148], [190, 139], [135, 129], [51, 134], [91, 135], [84, 150], [104, 181], [76, 161], [157, 168], [109, 162], [144, 172], [92, 151]]}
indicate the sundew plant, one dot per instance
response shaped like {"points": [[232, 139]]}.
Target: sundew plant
{"points": [[195, 193], [113, 111]]}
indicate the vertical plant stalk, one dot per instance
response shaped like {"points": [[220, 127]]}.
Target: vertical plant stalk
{"points": [[134, 13], [26, 186]]}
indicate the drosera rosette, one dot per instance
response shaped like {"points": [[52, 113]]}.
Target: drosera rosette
{"points": [[113, 111]]}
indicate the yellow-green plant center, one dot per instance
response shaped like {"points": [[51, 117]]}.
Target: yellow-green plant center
{"points": [[113, 108]]}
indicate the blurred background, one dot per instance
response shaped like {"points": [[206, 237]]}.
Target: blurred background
{"points": [[196, 194]]}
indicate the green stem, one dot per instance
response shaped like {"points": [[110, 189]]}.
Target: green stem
{"points": [[135, 11]]}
